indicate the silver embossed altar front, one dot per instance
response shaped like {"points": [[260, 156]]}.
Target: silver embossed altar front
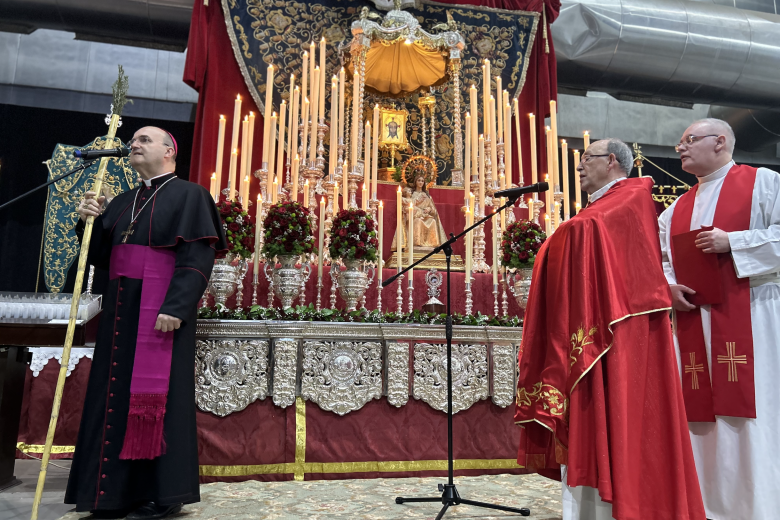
{"points": [[343, 366]]}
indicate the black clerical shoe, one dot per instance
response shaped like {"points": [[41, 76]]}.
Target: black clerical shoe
{"points": [[107, 514], [151, 511]]}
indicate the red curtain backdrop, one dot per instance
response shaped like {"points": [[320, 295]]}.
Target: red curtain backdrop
{"points": [[211, 69]]}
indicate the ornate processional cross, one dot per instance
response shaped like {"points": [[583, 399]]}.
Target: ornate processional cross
{"points": [[692, 369], [125, 234], [732, 360]]}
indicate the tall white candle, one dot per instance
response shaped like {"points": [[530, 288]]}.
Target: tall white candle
{"points": [[271, 146], [306, 194], [312, 62], [367, 158], [232, 174], [556, 171], [236, 125], [500, 105], [519, 142], [242, 158], [290, 116], [269, 90], [333, 150], [341, 122], [293, 150], [565, 176], [586, 140], [280, 150], [220, 153], [508, 143], [364, 198], [494, 146], [577, 186], [315, 104], [323, 75], [305, 138], [534, 167], [467, 162], [295, 167], [213, 186], [375, 152], [482, 174], [250, 145], [353, 154]]}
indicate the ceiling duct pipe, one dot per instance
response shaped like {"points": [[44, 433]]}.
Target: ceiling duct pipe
{"points": [[754, 129], [682, 51]]}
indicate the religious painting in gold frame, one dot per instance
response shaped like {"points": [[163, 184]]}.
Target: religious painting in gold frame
{"points": [[393, 128]]}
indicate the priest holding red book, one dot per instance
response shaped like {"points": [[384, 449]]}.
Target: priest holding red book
{"points": [[727, 228], [599, 395]]}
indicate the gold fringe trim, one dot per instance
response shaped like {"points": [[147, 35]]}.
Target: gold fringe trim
{"points": [[38, 448], [358, 467], [300, 438]]}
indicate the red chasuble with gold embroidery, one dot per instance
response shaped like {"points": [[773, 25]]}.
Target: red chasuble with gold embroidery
{"points": [[732, 391], [599, 387]]}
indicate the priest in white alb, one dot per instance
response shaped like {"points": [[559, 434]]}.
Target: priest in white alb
{"points": [[729, 352]]}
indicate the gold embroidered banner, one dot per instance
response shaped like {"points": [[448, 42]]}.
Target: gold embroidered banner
{"points": [[279, 32]]}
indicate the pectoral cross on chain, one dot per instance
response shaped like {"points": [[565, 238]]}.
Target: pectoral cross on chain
{"points": [[125, 234]]}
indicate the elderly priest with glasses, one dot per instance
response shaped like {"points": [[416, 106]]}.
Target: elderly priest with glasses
{"points": [[137, 449], [721, 253], [599, 394]]}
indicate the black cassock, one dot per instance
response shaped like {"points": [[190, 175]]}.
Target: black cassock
{"points": [[182, 218]]}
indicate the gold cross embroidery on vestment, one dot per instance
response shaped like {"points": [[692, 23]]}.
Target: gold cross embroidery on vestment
{"points": [[692, 369], [732, 361]]}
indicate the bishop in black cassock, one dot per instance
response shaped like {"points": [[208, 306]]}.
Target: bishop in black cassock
{"points": [[137, 445]]}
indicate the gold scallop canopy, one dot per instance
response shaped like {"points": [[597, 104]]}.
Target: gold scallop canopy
{"points": [[400, 69]]}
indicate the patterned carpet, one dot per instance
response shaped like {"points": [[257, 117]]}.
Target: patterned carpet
{"points": [[370, 499]]}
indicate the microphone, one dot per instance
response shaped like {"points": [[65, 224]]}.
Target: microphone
{"points": [[515, 193], [97, 154]]}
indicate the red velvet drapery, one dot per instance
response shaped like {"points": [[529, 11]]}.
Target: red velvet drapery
{"points": [[211, 69]]}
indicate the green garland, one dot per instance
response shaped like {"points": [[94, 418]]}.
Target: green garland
{"points": [[310, 313]]}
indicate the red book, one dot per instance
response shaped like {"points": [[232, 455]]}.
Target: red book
{"points": [[696, 269]]}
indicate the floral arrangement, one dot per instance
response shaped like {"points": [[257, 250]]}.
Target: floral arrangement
{"points": [[353, 236], [288, 231], [239, 227], [310, 313], [520, 244]]}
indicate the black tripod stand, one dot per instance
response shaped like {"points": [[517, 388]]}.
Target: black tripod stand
{"points": [[450, 496]]}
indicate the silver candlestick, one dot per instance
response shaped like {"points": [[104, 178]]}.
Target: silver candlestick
{"points": [[319, 291], [504, 299], [495, 299], [254, 289], [205, 299], [379, 295], [333, 284], [411, 292], [399, 299], [243, 266], [469, 300]]}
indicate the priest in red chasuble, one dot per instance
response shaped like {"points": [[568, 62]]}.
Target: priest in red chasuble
{"points": [[729, 344], [137, 448], [599, 395]]}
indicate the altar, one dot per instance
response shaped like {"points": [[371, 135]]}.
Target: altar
{"points": [[316, 400]]}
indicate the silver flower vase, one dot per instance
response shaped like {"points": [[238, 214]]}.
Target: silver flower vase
{"points": [[354, 281], [224, 278], [519, 283], [287, 277]]}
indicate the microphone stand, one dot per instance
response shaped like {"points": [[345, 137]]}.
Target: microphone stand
{"points": [[83, 166], [450, 496]]}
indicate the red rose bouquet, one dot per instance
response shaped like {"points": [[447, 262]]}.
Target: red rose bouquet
{"points": [[353, 236], [520, 243], [288, 231], [239, 227]]}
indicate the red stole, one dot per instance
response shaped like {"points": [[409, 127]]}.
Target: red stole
{"points": [[732, 391]]}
